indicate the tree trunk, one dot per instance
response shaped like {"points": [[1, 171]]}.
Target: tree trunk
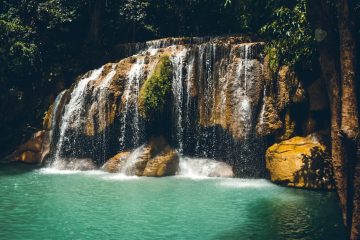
{"points": [[328, 59], [349, 113]]}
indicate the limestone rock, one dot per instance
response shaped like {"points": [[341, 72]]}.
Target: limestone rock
{"points": [[114, 164], [164, 164], [155, 159], [269, 120], [30, 151], [158, 159], [29, 157], [300, 162], [290, 89]]}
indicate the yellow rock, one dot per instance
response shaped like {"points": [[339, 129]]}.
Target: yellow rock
{"points": [[300, 162]]}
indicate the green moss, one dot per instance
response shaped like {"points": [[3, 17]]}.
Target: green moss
{"points": [[156, 89], [273, 59]]}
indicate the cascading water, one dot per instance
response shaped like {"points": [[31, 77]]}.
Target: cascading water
{"points": [[73, 110], [101, 94], [130, 123], [178, 62], [129, 166], [225, 88], [203, 167], [54, 116], [216, 89]]}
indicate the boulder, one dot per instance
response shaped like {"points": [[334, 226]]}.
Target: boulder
{"points": [[300, 162], [30, 151], [114, 164], [164, 164], [155, 159]]}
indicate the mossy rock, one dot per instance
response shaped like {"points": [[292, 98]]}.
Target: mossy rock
{"points": [[156, 89]]}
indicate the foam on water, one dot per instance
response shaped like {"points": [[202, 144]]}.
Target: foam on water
{"points": [[121, 177], [246, 183], [55, 171], [200, 168]]}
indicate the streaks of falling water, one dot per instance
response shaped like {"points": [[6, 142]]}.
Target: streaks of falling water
{"points": [[131, 95], [54, 116], [72, 113], [129, 166], [104, 108], [245, 103], [201, 51], [178, 62], [262, 111], [206, 74]]}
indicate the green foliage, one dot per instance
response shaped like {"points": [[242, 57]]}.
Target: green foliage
{"points": [[290, 37], [155, 91]]}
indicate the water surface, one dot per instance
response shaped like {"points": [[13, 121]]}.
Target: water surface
{"points": [[51, 204]]}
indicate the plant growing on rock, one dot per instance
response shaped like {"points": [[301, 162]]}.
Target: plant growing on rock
{"points": [[156, 90]]}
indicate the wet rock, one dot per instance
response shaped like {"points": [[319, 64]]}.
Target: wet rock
{"points": [[115, 163], [158, 159], [164, 164], [300, 162], [269, 121], [288, 127], [155, 159]]}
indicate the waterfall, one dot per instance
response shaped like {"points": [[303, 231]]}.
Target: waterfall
{"points": [[54, 116], [130, 123], [129, 167], [178, 62], [202, 167], [227, 97], [73, 112], [100, 97], [217, 87]]}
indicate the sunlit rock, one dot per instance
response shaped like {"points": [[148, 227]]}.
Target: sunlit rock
{"points": [[300, 162]]}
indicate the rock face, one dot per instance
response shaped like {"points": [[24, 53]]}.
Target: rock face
{"points": [[114, 164], [214, 97], [163, 164], [155, 159], [300, 162], [30, 151], [214, 90]]}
